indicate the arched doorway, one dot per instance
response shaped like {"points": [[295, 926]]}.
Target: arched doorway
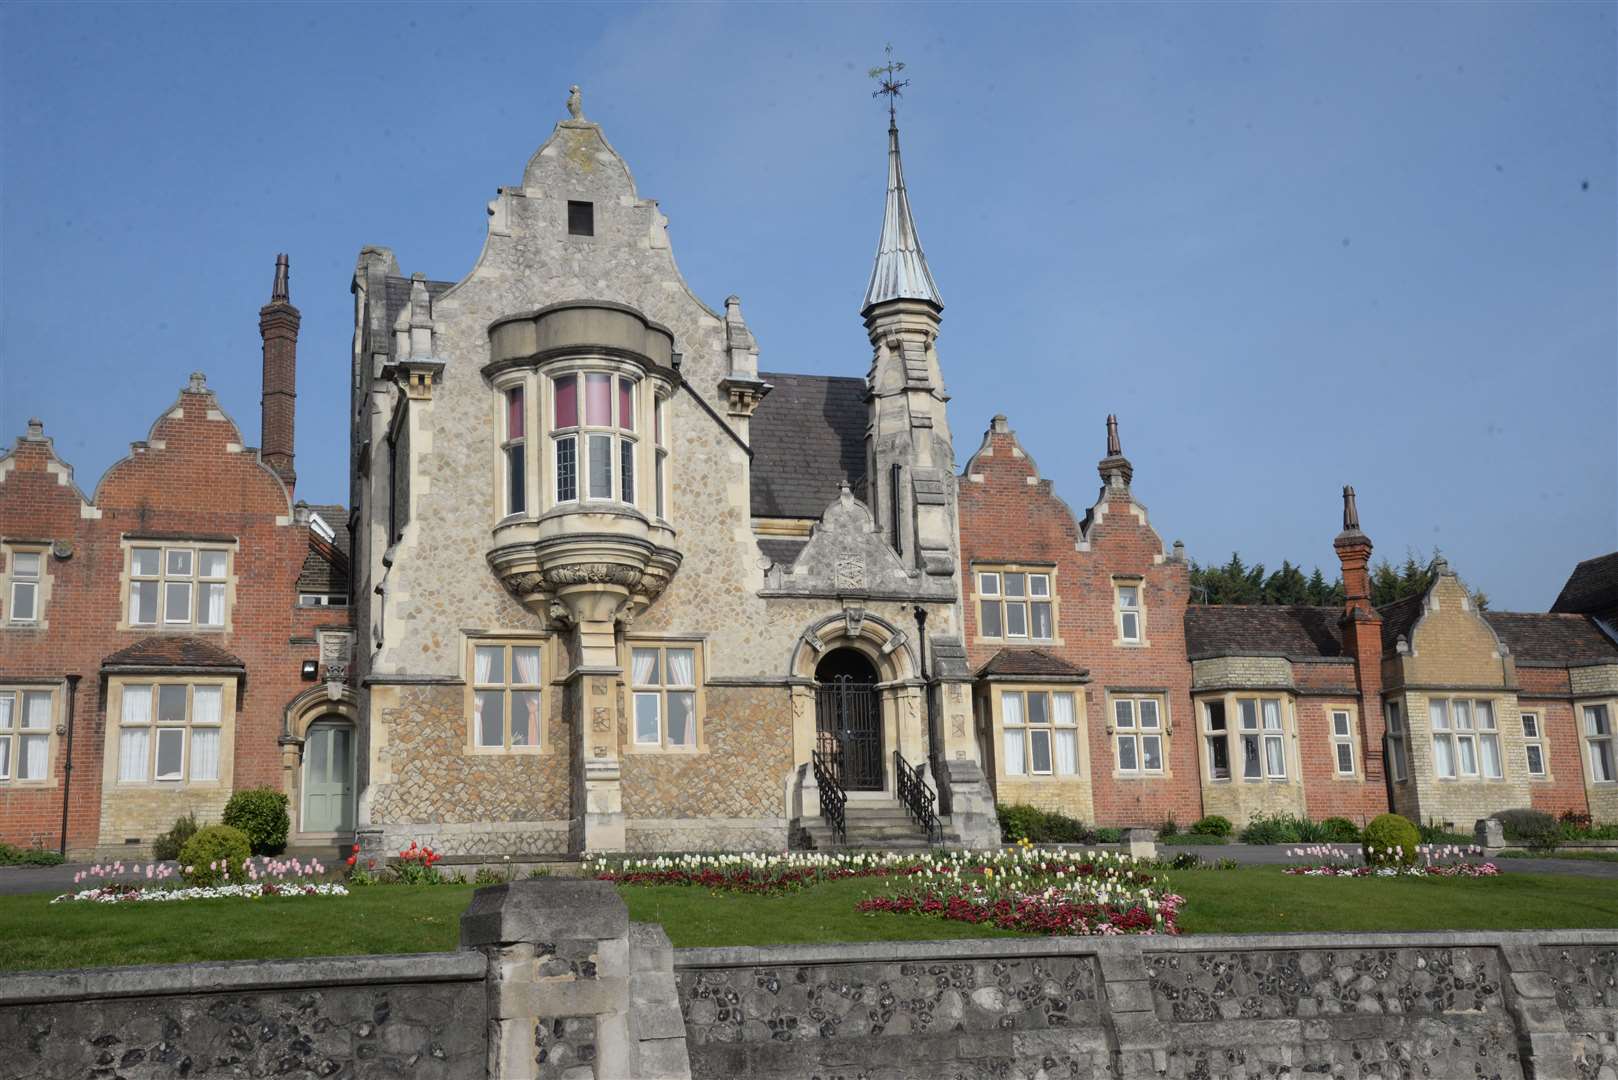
{"points": [[328, 777], [848, 720]]}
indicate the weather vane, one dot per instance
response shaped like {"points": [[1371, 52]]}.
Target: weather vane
{"points": [[890, 83]]}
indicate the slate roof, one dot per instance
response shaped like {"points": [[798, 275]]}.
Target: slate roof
{"points": [[1552, 640], [1030, 663], [1592, 588], [325, 568], [808, 437], [173, 652], [782, 551], [1295, 632], [395, 299], [1398, 619]]}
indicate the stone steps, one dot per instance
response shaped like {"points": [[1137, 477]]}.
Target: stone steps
{"points": [[881, 827]]}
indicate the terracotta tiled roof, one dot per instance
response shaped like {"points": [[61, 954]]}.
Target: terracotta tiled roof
{"points": [[162, 651], [1297, 633], [1031, 663], [1545, 639], [808, 438], [1592, 588]]}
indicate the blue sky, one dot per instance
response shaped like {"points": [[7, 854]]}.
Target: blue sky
{"points": [[1292, 246]]}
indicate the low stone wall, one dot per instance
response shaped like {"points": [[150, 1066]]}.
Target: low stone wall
{"points": [[353, 1016], [1539, 1005]]}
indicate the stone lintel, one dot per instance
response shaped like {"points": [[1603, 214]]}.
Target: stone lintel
{"points": [[544, 910]]}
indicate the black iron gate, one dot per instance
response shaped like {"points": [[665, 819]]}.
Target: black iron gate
{"points": [[848, 722]]}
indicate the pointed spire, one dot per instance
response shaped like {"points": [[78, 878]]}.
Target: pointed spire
{"points": [[1114, 447], [1351, 511], [278, 291], [901, 271]]}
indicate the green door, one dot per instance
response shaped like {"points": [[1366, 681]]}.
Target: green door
{"points": [[328, 778]]}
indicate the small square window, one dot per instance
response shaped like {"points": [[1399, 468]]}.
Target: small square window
{"points": [[581, 218]]}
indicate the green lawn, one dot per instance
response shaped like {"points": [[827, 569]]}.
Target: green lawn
{"points": [[400, 918]]}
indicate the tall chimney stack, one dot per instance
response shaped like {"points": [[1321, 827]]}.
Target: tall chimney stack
{"points": [[1354, 552], [278, 326]]}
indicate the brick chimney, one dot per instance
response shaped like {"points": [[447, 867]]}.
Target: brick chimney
{"points": [[278, 326], [1362, 640]]}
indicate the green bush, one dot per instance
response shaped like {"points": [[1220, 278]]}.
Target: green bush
{"points": [[1434, 833], [261, 813], [1271, 829], [167, 846], [1213, 825], [1534, 829], [1339, 830], [1168, 828], [16, 856], [488, 876], [1019, 821], [1391, 840], [215, 844], [1108, 836]]}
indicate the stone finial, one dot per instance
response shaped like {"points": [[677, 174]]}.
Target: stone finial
{"points": [[1351, 511], [575, 103], [36, 429], [198, 383], [1441, 566], [1114, 447], [1179, 551], [278, 291], [999, 424], [1116, 471]]}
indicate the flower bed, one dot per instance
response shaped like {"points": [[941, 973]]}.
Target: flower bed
{"points": [[1023, 888], [253, 880], [1434, 860]]}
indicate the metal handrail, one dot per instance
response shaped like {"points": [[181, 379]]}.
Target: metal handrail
{"points": [[833, 799], [918, 799]]}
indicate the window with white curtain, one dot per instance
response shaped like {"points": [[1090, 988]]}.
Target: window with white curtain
{"points": [[24, 571], [1466, 739], [170, 732], [178, 586], [506, 695], [1598, 738], [1039, 732], [1263, 739], [663, 681], [27, 717], [1138, 734]]}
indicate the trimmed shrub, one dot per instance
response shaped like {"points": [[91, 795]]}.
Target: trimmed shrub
{"points": [[1108, 836], [1339, 830], [261, 813], [1391, 840], [1534, 829], [1020, 821], [1271, 829], [167, 846], [16, 856], [1168, 828], [215, 844], [1213, 825]]}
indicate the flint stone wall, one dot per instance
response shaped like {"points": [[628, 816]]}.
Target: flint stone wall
{"points": [[1280, 1007], [349, 1017]]}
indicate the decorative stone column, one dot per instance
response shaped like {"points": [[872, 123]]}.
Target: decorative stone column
{"points": [[576, 992]]}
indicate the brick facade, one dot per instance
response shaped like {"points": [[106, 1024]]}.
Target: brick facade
{"points": [[189, 481]]}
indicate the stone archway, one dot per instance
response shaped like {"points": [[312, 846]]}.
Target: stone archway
{"points": [[897, 689], [327, 708]]}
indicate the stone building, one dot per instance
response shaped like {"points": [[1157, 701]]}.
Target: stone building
{"points": [[613, 591], [178, 635]]}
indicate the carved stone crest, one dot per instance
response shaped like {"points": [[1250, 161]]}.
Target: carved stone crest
{"points": [[853, 619], [593, 574], [850, 570], [602, 719]]}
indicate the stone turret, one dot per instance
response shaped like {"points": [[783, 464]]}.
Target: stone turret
{"points": [[909, 456]]}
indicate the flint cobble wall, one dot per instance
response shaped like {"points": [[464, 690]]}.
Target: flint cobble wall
{"points": [[421, 1017], [1280, 1007]]}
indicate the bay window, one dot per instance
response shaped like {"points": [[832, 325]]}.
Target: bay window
{"points": [[594, 440], [1216, 735], [663, 679], [1598, 737], [1039, 734], [1466, 742], [170, 732], [515, 450], [660, 441], [505, 696], [1263, 739], [1138, 734], [26, 719]]}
